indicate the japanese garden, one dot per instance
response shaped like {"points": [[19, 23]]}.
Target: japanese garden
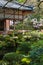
{"points": [[21, 32]]}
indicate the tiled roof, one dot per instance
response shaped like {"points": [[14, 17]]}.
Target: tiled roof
{"points": [[14, 5]]}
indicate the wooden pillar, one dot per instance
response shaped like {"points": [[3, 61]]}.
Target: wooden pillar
{"points": [[7, 25]]}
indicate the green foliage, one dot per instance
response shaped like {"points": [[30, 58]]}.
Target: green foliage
{"points": [[36, 55], [7, 44], [13, 58], [21, 1], [24, 26], [1, 37], [41, 35], [37, 16], [2, 48], [3, 62], [25, 61], [24, 47]]}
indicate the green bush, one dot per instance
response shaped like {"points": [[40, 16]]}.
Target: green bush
{"points": [[37, 56], [24, 47], [6, 45], [3, 62], [2, 47], [1, 37], [41, 35], [12, 58], [36, 53]]}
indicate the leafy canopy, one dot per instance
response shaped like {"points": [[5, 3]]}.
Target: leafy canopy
{"points": [[21, 1]]}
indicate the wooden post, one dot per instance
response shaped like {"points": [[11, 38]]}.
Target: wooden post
{"points": [[7, 25]]}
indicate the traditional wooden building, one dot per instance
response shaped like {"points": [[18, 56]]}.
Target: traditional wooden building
{"points": [[11, 12]]}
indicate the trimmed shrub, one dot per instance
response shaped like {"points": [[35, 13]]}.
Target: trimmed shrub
{"points": [[37, 56], [24, 47], [12, 57]]}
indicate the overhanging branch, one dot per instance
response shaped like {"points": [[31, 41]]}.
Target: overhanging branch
{"points": [[39, 3], [7, 2]]}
